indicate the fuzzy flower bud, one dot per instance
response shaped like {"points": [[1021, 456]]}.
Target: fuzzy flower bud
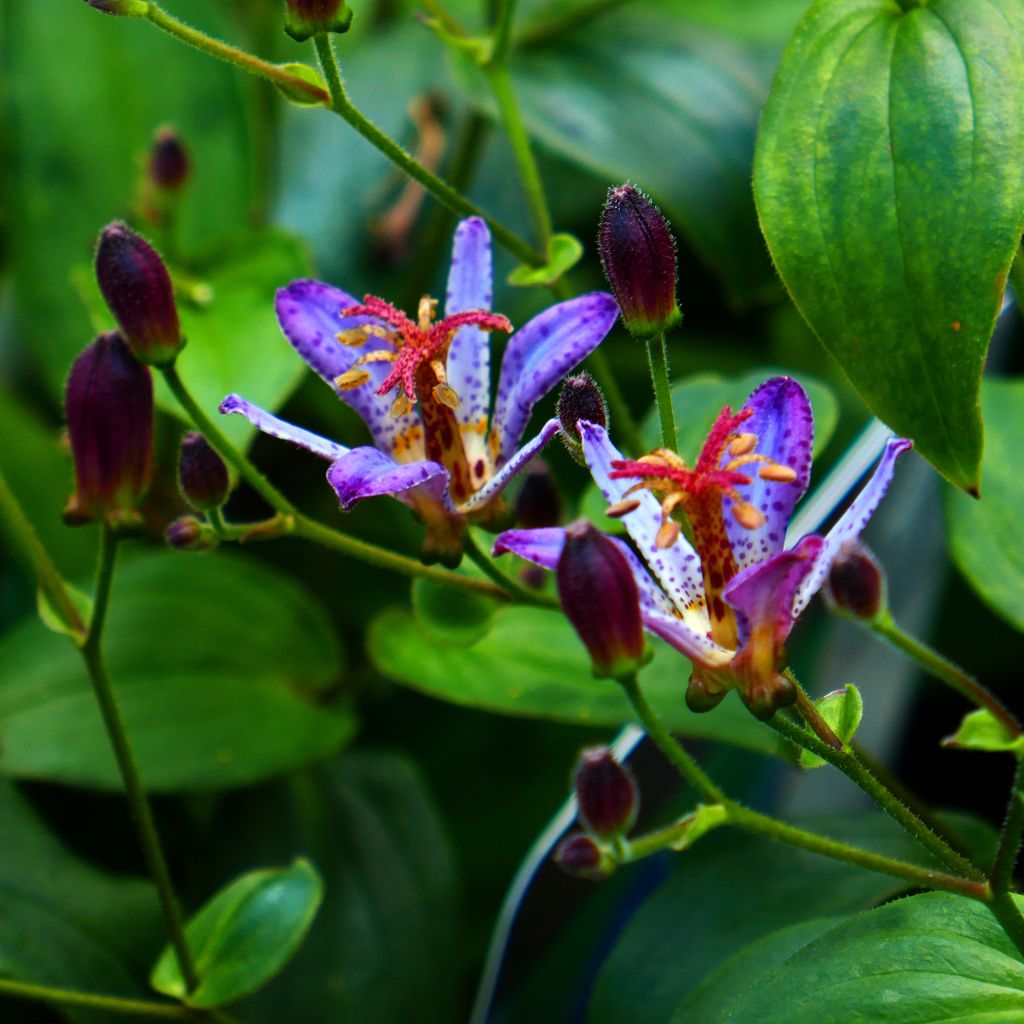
{"points": [[138, 290], [202, 475], [123, 8], [168, 160], [109, 405], [580, 399], [600, 598], [305, 18], [638, 253], [578, 855], [856, 582], [188, 534], [605, 794]]}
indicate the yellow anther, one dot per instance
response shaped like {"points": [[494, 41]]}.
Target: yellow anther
{"points": [[426, 311], [742, 444], [668, 534], [780, 474], [622, 508], [446, 395], [354, 337], [747, 516], [352, 379], [401, 405]]}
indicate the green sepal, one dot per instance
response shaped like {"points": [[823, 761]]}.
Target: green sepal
{"points": [[301, 28], [705, 818], [843, 710], [53, 619], [981, 730]]}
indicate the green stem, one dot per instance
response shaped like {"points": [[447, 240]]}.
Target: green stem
{"points": [[27, 546], [232, 55], [448, 20], [657, 362], [92, 653], [1010, 837], [437, 187], [848, 763], [1005, 910], [90, 1001], [551, 28], [508, 586], [944, 670], [812, 716], [659, 733]]}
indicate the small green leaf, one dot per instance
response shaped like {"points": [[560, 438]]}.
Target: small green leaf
{"points": [[843, 710], [564, 253], [244, 935], [451, 615], [889, 179], [300, 97], [981, 730], [52, 618], [985, 536], [699, 823]]}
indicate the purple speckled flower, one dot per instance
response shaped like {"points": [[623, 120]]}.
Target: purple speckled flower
{"points": [[729, 600], [424, 389]]}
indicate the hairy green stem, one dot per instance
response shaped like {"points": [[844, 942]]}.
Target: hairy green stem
{"points": [[657, 362], [1011, 835], [92, 653], [91, 1001], [509, 586], [1005, 910], [943, 669]]}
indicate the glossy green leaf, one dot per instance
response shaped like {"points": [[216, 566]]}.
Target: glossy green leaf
{"points": [[451, 615], [532, 664], [842, 710], [985, 536], [565, 252], [931, 957], [244, 935], [981, 730], [219, 664], [889, 179]]}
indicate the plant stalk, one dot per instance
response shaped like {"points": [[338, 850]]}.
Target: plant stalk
{"points": [[657, 362]]}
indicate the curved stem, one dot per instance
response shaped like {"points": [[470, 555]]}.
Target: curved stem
{"points": [[509, 586], [943, 669], [812, 716], [92, 1001], [657, 362], [1010, 836], [92, 653]]}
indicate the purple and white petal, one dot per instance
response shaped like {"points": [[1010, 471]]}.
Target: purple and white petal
{"points": [[538, 355], [784, 425], [470, 286], [676, 568], [366, 472], [309, 313], [696, 645], [515, 465], [269, 424], [853, 520], [764, 594]]}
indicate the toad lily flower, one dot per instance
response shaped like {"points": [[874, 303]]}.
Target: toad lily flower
{"points": [[729, 600], [423, 389]]}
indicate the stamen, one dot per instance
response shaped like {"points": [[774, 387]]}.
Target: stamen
{"points": [[622, 508], [354, 337], [668, 534], [780, 474], [742, 444], [747, 516], [446, 395], [352, 379], [401, 405], [427, 309]]}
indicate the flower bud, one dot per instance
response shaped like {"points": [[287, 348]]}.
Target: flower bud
{"points": [[168, 160], [638, 253], [856, 582], [578, 855], [605, 794], [580, 399], [188, 534], [305, 18], [124, 8], [137, 288], [600, 598], [202, 475], [538, 503], [109, 405]]}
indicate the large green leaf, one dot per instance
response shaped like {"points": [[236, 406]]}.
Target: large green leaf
{"points": [[63, 922], [244, 935], [219, 664], [532, 664], [985, 536], [931, 957], [889, 179]]}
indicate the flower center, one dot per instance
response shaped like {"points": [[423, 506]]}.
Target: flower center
{"points": [[699, 492]]}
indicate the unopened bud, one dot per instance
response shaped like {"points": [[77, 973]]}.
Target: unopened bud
{"points": [[138, 290], [538, 503], [109, 406], [638, 253], [188, 534], [578, 855], [124, 8], [600, 598], [305, 18], [202, 475], [580, 399], [856, 582], [606, 794], [168, 160]]}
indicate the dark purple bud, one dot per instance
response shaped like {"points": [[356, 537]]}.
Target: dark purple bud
{"points": [[538, 503], [580, 399], [168, 160], [188, 534], [138, 290], [638, 253], [856, 582], [305, 18], [605, 794], [600, 598], [125, 8], [202, 475], [578, 855], [109, 405]]}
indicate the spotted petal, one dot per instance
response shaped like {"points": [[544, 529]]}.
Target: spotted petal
{"points": [[269, 424], [694, 644], [677, 568], [538, 355], [309, 313], [470, 286], [366, 472], [853, 520], [784, 425]]}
